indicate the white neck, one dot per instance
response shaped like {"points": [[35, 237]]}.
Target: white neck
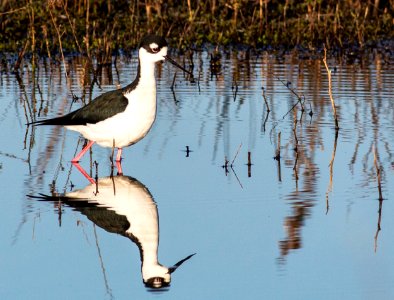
{"points": [[147, 75]]}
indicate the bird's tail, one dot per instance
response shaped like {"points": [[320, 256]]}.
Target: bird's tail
{"points": [[54, 121]]}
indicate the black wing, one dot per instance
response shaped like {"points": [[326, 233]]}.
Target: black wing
{"points": [[101, 108], [100, 215]]}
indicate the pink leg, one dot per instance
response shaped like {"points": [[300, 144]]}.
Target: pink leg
{"points": [[84, 150], [86, 175], [119, 167], [119, 155], [119, 161]]}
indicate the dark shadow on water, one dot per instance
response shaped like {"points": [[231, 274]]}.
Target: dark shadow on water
{"points": [[122, 205]]}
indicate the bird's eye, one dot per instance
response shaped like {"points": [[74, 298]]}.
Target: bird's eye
{"points": [[154, 47]]}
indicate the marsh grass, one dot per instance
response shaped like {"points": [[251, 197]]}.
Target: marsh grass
{"points": [[98, 28]]}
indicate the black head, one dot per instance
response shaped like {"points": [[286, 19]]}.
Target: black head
{"points": [[156, 48], [156, 283], [153, 43]]}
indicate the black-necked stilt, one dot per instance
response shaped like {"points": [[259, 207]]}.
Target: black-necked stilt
{"points": [[123, 205], [121, 117]]}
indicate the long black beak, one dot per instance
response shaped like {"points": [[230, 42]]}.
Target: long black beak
{"points": [[176, 266], [177, 65]]}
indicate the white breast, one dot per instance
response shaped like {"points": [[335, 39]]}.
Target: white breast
{"points": [[130, 126]]}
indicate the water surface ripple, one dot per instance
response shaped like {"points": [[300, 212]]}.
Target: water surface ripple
{"points": [[274, 202]]}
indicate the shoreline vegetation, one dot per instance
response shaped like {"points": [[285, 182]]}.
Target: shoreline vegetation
{"points": [[99, 29]]}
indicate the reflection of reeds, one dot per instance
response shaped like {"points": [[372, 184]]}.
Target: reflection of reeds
{"points": [[234, 88], [295, 169], [378, 226], [377, 167], [106, 282], [377, 174], [331, 165], [277, 158], [312, 138], [330, 90], [267, 108], [236, 154]]}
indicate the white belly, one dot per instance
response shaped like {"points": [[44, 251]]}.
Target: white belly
{"points": [[126, 128]]}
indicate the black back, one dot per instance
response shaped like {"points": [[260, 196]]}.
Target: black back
{"points": [[103, 107], [110, 103]]}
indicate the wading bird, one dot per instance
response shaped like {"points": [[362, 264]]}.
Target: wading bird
{"points": [[122, 117]]}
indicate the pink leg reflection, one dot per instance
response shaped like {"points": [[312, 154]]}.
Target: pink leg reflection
{"points": [[86, 175]]}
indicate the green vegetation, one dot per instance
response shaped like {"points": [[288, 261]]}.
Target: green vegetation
{"points": [[97, 28]]}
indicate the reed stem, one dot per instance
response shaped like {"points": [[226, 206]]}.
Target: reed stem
{"points": [[330, 90]]}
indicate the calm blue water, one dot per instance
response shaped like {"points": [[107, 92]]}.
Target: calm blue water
{"points": [[306, 228]]}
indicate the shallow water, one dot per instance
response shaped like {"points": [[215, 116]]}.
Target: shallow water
{"points": [[304, 227]]}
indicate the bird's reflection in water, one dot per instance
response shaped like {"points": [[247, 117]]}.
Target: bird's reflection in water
{"points": [[123, 205]]}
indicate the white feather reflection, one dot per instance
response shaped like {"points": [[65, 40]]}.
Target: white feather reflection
{"points": [[123, 205]]}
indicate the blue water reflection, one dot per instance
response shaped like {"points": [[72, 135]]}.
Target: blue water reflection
{"points": [[122, 205], [307, 226]]}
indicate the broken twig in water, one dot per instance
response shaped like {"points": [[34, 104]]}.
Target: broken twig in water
{"points": [[295, 135], [277, 152], [301, 98], [225, 166], [277, 158], [249, 164], [188, 151], [265, 100]]}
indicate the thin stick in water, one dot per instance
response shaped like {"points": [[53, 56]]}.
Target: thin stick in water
{"points": [[249, 164], [330, 90], [265, 100], [236, 154], [377, 174], [277, 152]]}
